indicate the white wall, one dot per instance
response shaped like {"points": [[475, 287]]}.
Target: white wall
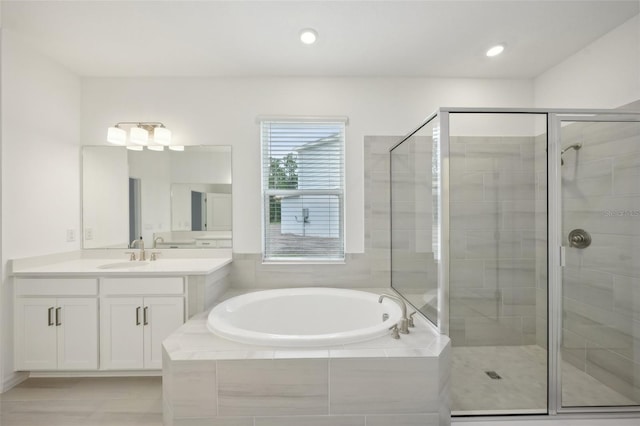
{"points": [[223, 111], [40, 165], [105, 199], [605, 74]]}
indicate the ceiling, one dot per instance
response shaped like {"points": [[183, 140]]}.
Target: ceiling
{"points": [[356, 38]]}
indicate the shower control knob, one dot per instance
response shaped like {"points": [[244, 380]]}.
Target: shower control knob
{"points": [[579, 238]]}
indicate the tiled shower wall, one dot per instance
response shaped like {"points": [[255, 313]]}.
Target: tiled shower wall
{"points": [[493, 234], [601, 283]]}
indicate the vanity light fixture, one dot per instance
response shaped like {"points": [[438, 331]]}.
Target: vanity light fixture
{"points": [[135, 147], [495, 50], [156, 148], [176, 148], [140, 133], [308, 36]]}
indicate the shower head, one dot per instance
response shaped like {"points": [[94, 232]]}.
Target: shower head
{"points": [[575, 146]]}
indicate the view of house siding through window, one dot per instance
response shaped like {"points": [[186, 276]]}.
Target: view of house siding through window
{"points": [[303, 185]]}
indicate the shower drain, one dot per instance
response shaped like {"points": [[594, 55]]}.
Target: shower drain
{"points": [[493, 375]]}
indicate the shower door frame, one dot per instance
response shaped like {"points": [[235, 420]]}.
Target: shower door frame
{"points": [[556, 251], [554, 118]]}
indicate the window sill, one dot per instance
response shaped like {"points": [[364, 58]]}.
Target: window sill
{"points": [[303, 262]]}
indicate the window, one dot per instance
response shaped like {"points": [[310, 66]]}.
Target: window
{"points": [[303, 190]]}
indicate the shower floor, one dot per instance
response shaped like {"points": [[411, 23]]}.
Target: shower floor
{"points": [[523, 383]]}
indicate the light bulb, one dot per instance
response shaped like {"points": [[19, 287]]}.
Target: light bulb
{"points": [[176, 148], [156, 147], [495, 50], [308, 36]]}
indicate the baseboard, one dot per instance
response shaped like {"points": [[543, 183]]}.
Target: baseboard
{"points": [[14, 379], [123, 373]]}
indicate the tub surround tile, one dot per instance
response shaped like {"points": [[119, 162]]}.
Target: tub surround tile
{"points": [[272, 387], [311, 421], [305, 354], [342, 385], [383, 385], [193, 389], [405, 420], [219, 421], [357, 353], [402, 352]]}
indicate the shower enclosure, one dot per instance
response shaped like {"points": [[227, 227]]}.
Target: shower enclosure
{"points": [[517, 233]]}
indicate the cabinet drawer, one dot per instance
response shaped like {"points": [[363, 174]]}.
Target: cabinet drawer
{"points": [[56, 286], [147, 285], [214, 243]]}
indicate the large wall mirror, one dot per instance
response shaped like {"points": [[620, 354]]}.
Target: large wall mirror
{"points": [[172, 199]]}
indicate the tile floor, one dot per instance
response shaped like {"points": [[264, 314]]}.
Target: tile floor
{"points": [[137, 402], [524, 381], [104, 401]]}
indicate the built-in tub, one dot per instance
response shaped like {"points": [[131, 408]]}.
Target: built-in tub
{"points": [[303, 317]]}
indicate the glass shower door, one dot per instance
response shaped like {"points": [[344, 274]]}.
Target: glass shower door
{"points": [[599, 341]]}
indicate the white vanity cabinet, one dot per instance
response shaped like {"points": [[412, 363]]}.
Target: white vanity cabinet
{"points": [[136, 315], [56, 324]]}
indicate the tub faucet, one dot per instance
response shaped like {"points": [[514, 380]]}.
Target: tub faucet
{"points": [[140, 243], [403, 325]]}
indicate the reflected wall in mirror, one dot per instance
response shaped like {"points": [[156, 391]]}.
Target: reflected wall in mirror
{"points": [[172, 199]]}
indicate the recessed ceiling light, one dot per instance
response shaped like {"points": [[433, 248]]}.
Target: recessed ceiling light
{"points": [[308, 36], [495, 50]]}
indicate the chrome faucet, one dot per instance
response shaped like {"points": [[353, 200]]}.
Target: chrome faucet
{"points": [[403, 324], [140, 243], [156, 240]]}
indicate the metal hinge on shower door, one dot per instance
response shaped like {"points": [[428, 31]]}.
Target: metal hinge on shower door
{"points": [[563, 256]]}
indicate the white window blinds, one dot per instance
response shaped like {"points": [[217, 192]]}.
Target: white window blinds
{"points": [[303, 190]]}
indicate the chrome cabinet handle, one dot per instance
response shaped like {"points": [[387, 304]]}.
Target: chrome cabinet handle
{"points": [[146, 309], [58, 320], [138, 315], [50, 316]]}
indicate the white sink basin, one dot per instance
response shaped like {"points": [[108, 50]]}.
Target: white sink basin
{"points": [[123, 265]]}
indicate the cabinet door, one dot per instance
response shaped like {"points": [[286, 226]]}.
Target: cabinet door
{"points": [[121, 331], [35, 334], [77, 325], [163, 316]]}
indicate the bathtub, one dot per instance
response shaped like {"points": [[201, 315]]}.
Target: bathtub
{"points": [[303, 317]]}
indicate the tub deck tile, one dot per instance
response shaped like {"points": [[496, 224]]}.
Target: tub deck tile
{"points": [[383, 385], [312, 421], [273, 387]]}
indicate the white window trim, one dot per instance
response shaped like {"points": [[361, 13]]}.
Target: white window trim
{"points": [[268, 192]]}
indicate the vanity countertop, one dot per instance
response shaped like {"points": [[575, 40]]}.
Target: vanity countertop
{"points": [[95, 267]]}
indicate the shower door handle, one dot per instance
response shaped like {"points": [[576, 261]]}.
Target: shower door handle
{"points": [[579, 238]]}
